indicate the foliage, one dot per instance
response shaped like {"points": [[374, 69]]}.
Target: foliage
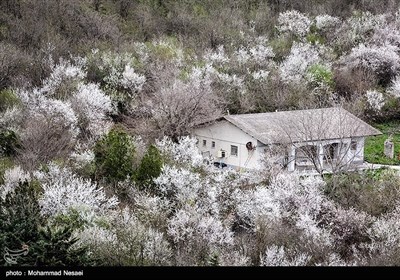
{"points": [[114, 155], [22, 225], [321, 75], [20, 220], [9, 143], [8, 99], [72, 70], [374, 192], [150, 167], [57, 247]]}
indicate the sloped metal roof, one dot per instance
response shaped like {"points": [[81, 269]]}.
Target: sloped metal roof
{"points": [[302, 125]]}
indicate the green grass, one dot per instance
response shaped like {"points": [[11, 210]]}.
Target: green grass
{"points": [[373, 151]]}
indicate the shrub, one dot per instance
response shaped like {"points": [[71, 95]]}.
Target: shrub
{"points": [[114, 155], [21, 224], [63, 191], [20, 219], [321, 74], [150, 167], [294, 22], [56, 246], [374, 192], [9, 143], [7, 99]]}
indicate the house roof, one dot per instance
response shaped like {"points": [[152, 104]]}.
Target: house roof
{"points": [[302, 125]]}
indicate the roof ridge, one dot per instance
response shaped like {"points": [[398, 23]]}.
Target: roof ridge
{"points": [[286, 111]]}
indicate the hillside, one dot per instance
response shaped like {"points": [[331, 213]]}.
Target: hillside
{"points": [[98, 99]]}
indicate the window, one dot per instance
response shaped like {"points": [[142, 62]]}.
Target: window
{"points": [[204, 143], [331, 151], [213, 144], [234, 150], [353, 145]]}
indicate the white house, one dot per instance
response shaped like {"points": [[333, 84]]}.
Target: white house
{"points": [[322, 139]]}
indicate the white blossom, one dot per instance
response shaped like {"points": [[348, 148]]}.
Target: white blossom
{"points": [[256, 51], [395, 87], [231, 80], [242, 55], [279, 256], [375, 99], [179, 183], [363, 23], [60, 74], [234, 258], [294, 67], [83, 158], [151, 209], [142, 50], [260, 75], [185, 151], [218, 56], [57, 112], [324, 22], [175, 53], [294, 22], [11, 117], [189, 225], [126, 241], [132, 80], [261, 53], [92, 106], [12, 177], [64, 191], [335, 260], [380, 59], [387, 35]]}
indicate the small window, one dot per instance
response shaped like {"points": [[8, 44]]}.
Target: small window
{"points": [[204, 143], [213, 144], [353, 145], [234, 150]]}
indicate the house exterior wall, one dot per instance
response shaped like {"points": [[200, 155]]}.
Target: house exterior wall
{"points": [[349, 151], [224, 134]]}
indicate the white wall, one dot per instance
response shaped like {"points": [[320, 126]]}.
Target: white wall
{"points": [[346, 155], [225, 134], [358, 154]]}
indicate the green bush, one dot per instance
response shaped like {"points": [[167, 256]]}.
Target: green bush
{"points": [[321, 75], [114, 156], [9, 143], [21, 224], [20, 220], [150, 167], [8, 98], [56, 246], [5, 163]]}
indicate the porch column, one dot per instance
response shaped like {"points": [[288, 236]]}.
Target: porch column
{"points": [[321, 156], [292, 158]]}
